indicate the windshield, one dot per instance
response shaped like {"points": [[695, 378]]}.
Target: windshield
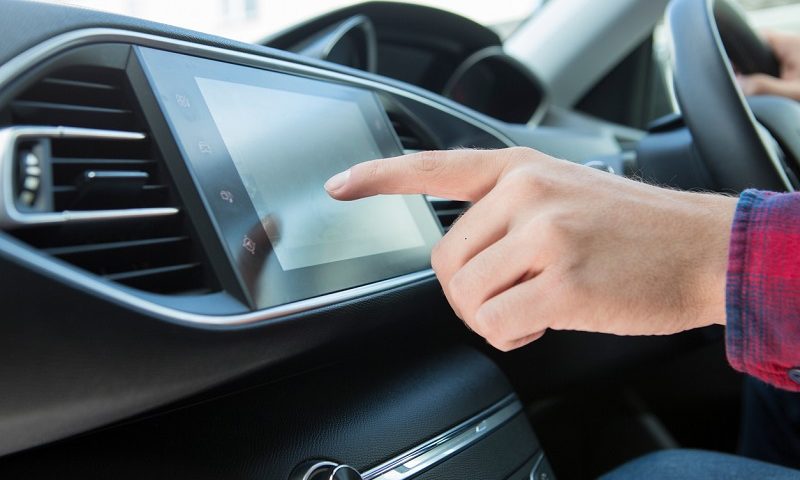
{"points": [[253, 20]]}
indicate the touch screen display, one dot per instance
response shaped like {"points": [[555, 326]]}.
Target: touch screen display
{"points": [[250, 150], [283, 170]]}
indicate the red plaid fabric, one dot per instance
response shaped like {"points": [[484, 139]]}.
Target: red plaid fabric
{"points": [[763, 288]]}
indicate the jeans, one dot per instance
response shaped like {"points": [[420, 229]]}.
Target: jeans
{"points": [[696, 464], [770, 436], [770, 424]]}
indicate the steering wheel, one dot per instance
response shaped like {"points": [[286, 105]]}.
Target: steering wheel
{"points": [[738, 151]]}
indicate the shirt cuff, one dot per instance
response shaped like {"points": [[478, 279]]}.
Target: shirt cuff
{"points": [[763, 288]]}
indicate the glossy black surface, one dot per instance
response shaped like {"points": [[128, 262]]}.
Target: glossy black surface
{"points": [[263, 187]]}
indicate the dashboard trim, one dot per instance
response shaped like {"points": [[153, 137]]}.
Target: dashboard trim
{"points": [[65, 41], [448, 444], [54, 268]]}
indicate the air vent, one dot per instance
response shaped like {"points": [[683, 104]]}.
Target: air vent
{"points": [[80, 97], [108, 175], [412, 137], [447, 211]]}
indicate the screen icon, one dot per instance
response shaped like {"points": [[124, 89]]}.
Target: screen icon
{"points": [[249, 245], [204, 148], [226, 196], [182, 101]]}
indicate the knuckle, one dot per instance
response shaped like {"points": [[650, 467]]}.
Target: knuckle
{"points": [[529, 182], [488, 324], [559, 226], [460, 287], [556, 229], [525, 156], [518, 155], [427, 161]]}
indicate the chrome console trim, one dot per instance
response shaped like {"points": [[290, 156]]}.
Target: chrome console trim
{"points": [[448, 444], [116, 294], [66, 41], [11, 217]]}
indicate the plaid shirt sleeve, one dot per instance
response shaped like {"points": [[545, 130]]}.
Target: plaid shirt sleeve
{"points": [[763, 288]]}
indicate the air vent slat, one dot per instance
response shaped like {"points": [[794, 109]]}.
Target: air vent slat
{"points": [[31, 106], [74, 249], [79, 84], [410, 143], [106, 173], [447, 211], [412, 137], [451, 211], [138, 274], [89, 116], [104, 162], [151, 196], [126, 259], [166, 280]]}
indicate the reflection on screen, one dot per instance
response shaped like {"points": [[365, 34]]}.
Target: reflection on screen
{"points": [[285, 145]]}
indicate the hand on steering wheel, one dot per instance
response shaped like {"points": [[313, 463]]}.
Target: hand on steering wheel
{"points": [[732, 144], [787, 50]]}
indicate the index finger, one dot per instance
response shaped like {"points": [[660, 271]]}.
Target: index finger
{"points": [[453, 174]]}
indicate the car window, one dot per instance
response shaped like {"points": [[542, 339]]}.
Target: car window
{"points": [[783, 15]]}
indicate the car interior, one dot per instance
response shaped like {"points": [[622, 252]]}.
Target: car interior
{"points": [[182, 300]]}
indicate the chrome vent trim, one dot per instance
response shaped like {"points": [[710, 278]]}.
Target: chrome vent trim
{"points": [[11, 217]]}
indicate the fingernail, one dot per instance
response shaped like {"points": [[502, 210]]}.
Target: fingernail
{"points": [[337, 181]]}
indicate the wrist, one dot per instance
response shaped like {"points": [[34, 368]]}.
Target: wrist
{"points": [[712, 238]]}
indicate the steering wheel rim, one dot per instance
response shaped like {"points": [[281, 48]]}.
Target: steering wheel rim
{"points": [[745, 48], [731, 143]]}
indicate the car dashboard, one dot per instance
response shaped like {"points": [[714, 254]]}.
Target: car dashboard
{"points": [[142, 265]]}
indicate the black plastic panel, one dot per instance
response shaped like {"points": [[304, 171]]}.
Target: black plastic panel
{"points": [[353, 412], [73, 361]]}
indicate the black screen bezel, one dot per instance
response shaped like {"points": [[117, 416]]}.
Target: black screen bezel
{"points": [[262, 279]]}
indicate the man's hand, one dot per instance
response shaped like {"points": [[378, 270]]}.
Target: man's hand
{"points": [[552, 244], [787, 50]]}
